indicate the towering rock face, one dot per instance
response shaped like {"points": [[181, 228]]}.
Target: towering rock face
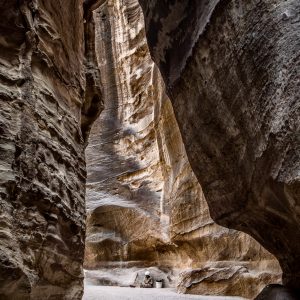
{"points": [[232, 72], [123, 200], [42, 166], [145, 205]]}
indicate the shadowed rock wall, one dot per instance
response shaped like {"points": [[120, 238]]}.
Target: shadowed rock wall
{"points": [[232, 73], [42, 166], [145, 206]]}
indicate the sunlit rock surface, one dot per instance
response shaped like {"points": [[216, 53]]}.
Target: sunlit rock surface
{"points": [[42, 165], [145, 206]]}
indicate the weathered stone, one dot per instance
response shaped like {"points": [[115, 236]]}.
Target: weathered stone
{"points": [[231, 69], [42, 166], [221, 279], [232, 73], [145, 206], [123, 202]]}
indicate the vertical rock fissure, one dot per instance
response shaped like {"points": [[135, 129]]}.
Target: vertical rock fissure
{"points": [[93, 104], [237, 105]]}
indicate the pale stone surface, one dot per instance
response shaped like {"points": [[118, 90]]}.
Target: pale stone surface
{"points": [[117, 293], [145, 206], [126, 277]]}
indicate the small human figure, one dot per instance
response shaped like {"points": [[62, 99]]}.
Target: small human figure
{"points": [[148, 281]]}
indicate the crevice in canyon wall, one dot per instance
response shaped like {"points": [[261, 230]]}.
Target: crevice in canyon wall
{"points": [[145, 207], [42, 167], [236, 100]]}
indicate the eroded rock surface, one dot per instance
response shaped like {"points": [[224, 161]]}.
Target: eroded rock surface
{"points": [[232, 72], [145, 206], [42, 165], [58, 59]]}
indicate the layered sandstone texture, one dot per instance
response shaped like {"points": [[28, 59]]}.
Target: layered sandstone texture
{"points": [[232, 73], [42, 165], [145, 206]]}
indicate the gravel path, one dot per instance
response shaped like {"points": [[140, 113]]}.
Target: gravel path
{"points": [[93, 292]]}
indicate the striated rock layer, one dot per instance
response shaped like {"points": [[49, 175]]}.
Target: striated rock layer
{"points": [[232, 72], [42, 166], [145, 206]]}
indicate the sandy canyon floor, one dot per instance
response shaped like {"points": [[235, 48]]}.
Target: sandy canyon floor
{"points": [[93, 292]]}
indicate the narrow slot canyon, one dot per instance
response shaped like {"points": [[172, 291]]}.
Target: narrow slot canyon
{"points": [[158, 136], [145, 208]]}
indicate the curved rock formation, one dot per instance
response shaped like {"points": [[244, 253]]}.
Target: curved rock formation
{"points": [[124, 216], [145, 206], [42, 166], [232, 73]]}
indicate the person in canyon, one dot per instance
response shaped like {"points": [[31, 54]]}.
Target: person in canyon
{"points": [[148, 281]]}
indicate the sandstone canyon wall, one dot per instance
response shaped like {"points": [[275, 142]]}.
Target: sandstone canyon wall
{"points": [[42, 166], [145, 206], [59, 60], [232, 73]]}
